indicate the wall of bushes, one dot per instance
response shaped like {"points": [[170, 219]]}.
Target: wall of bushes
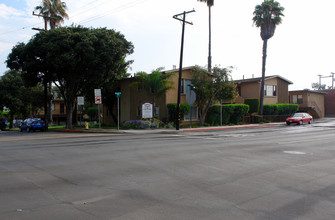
{"points": [[231, 114], [280, 109], [172, 109], [253, 105]]}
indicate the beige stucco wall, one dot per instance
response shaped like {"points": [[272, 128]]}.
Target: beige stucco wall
{"points": [[311, 100], [251, 90], [318, 100]]}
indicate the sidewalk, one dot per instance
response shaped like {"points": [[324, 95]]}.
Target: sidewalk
{"points": [[172, 130]]}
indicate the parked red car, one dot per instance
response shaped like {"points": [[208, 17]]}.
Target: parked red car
{"points": [[299, 118]]}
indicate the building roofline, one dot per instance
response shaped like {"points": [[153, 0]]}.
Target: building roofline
{"points": [[310, 91], [177, 69], [260, 78]]}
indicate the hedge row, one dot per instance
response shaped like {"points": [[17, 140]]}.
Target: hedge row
{"points": [[172, 109], [253, 105], [280, 109], [232, 113]]}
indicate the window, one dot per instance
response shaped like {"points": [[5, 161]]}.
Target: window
{"points": [[53, 107], [297, 99], [184, 86], [270, 90]]}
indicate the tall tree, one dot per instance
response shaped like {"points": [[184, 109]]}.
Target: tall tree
{"points": [[210, 3], [53, 12], [266, 16], [209, 87], [75, 58], [154, 84]]}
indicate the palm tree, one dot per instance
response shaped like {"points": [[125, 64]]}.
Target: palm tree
{"points": [[154, 84], [210, 3], [266, 16], [53, 12]]}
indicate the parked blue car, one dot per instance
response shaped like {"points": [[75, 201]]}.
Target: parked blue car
{"points": [[32, 124]]}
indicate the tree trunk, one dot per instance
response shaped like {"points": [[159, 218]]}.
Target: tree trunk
{"points": [[50, 103], [265, 45], [210, 41], [69, 113], [46, 105], [153, 108]]}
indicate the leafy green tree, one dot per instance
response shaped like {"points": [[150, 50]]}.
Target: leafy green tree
{"points": [[75, 59], [53, 12], [317, 86], [21, 100], [266, 16], [155, 84], [210, 87], [210, 3]]}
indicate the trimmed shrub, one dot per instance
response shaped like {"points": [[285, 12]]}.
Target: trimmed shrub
{"points": [[253, 105], [280, 109], [92, 112], [172, 109], [231, 113]]}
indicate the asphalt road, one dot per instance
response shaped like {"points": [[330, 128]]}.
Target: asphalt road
{"points": [[285, 172]]}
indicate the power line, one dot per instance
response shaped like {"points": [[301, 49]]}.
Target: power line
{"points": [[115, 10], [20, 29]]}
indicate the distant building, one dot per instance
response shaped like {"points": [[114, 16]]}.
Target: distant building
{"points": [[275, 89], [310, 101], [329, 102], [132, 98]]}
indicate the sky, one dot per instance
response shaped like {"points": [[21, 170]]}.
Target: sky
{"points": [[302, 47]]}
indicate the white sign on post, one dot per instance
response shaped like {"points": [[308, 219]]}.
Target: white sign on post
{"points": [[80, 100], [147, 110], [97, 92]]}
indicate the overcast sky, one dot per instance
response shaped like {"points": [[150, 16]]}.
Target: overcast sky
{"points": [[302, 48]]}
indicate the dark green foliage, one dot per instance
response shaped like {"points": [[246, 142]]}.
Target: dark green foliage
{"points": [[92, 112], [231, 113], [76, 59], [253, 105], [280, 109], [172, 109], [211, 87], [21, 100]]}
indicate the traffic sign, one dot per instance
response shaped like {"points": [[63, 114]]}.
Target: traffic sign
{"points": [[98, 100], [80, 100], [118, 94], [97, 92]]}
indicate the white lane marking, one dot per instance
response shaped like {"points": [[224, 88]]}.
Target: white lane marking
{"points": [[294, 152]]}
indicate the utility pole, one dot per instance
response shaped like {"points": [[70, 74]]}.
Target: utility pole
{"points": [[181, 60], [46, 119], [320, 77]]}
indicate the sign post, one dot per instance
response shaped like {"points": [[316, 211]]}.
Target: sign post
{"points": [[98, 101], [118, 94]]}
